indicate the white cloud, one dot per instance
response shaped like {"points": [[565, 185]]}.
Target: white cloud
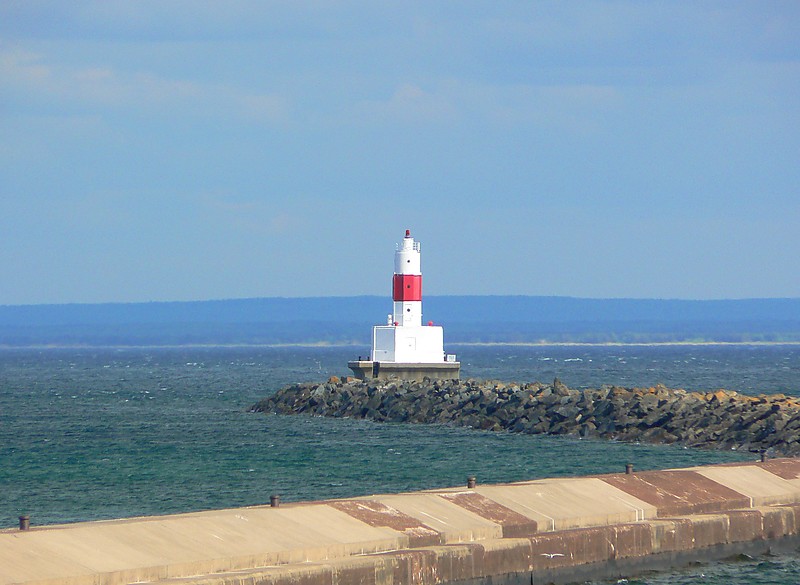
{"points": [[567, 107], [33, 76], [550, 105], [251, 217], [409, 103], [266, 108], [23, 68]]}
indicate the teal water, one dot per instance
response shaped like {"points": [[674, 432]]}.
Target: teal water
{"points": [[743, 570], [103, 433]]}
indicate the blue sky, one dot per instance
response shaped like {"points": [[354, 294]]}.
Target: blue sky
{"points": [[186, 150]]}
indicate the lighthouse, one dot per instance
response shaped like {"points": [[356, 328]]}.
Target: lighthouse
{"points": [[404, 347]]}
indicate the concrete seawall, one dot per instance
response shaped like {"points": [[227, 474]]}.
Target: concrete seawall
{"points": [[536, 531]]}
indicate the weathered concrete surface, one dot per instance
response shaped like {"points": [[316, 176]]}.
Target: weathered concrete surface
{"points": [[151, 548], [369, 370], [560, 504], [453, 523], [552, 528], [762, 487]]}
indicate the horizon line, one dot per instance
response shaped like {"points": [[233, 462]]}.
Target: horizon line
{"points": [[376, 296], [342, 345]]}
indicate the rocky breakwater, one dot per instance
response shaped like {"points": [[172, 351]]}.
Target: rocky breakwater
{"points": [[720, 420]]}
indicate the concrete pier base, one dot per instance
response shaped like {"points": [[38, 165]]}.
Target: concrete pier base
{"points": [[547, 530], [624, 568], [366, 370]]}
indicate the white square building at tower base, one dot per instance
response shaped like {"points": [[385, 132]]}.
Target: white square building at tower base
{"points": [[413, 345]]}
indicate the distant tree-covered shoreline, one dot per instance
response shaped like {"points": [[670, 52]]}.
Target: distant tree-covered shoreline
{"points": [[348, 320]]}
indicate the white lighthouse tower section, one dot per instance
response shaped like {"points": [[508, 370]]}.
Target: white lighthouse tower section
{"points": [[407, 313]]}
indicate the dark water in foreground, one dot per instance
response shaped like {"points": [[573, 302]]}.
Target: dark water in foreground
{"points": [[102, 433]]}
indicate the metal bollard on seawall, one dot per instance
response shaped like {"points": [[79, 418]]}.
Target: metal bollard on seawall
{"points": [[471, 481], [274, 500], [628, 468], [25, 522]]}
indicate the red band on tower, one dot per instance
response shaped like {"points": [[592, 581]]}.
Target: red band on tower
{"points": [[407, 287]]}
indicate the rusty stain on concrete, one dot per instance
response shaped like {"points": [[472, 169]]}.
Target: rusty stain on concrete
{"points": [[379, 514], [783, 468], [678, 492], [513, 523]]}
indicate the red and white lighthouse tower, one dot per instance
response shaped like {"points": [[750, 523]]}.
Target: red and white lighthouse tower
{"points": [[407, 284], [404, 347]]}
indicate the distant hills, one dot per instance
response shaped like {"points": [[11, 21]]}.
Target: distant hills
{"points": [[467, 319]]}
